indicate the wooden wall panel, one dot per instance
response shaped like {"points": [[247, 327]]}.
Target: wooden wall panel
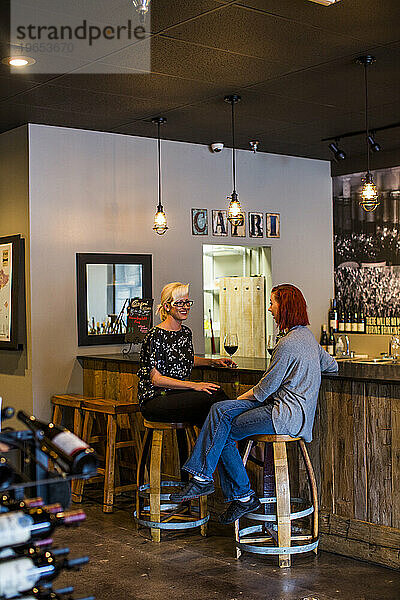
{"points": [[359, 449], [343, 458], [395, 410], [379, 455]]}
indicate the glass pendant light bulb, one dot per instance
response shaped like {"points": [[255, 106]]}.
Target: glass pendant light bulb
{"points": [[235, 210], [160, 221], [369, 194]]}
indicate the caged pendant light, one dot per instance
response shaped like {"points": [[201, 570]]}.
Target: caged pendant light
{"points": [[369, 192], [235, 216], [160, 218]]}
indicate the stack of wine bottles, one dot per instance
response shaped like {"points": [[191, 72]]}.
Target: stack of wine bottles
{"points": [[29, 563]]}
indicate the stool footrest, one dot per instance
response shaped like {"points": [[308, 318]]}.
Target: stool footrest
{"points": [[249, 547], [272, 517], [188, 523]]}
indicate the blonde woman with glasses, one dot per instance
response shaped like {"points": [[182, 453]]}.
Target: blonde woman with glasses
{"points": [[166, 362]]}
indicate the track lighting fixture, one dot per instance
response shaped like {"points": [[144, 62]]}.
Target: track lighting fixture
{"points": [[369, 193], [254, 145], [375, 147], [160, 218], [338, 153], [142, 8]]}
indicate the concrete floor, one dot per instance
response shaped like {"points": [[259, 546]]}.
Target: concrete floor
{"points": [[126, 565]]}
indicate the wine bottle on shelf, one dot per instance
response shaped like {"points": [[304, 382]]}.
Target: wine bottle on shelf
{"points": [[7, 413], [341, 317], [71, 453], [354, 321], [7, 473], [333, 316], [18, 527], [10, 503], [324, 338], [361, 321], [38, 552], [46, 594], [348, 320], [22, 574], [331, 343]]}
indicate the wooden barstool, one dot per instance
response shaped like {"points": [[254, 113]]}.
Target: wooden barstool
{"points": [[254, 539], [118, 416], [72, 401], [155, 514]]}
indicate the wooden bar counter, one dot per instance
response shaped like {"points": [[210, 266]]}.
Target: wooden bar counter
{"points": [[355, 450]]}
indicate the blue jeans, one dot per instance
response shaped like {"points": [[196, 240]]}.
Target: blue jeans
{"points": [[227, 422]]}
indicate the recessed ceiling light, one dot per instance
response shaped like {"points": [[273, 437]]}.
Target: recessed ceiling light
{"points": [[325, 2], [18, 61]]}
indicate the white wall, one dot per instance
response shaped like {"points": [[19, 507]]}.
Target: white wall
{"points": [[97, 192], [15, 366]]}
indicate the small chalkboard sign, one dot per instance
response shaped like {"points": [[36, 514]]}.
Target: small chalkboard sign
{"points": [[139, 319]]}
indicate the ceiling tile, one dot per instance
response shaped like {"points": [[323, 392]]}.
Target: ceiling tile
{"points": [[265, 36]]}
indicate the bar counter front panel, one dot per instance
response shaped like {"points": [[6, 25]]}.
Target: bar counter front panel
{"points": [[355, 450]]}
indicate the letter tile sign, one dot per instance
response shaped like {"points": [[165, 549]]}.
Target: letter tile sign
{"points": [[239, 230], [199, 221], [220, 222], [256, 225], [273, 225]]}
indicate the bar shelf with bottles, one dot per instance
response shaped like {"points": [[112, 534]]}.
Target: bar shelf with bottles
{"points": [[353, 320]]}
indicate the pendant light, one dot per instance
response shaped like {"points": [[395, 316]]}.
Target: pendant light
{"points": [[369, 192], [160, 219], [235, 216], [142, 8]]}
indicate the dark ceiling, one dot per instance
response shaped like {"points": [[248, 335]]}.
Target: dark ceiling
{"points": [[292, 61]]}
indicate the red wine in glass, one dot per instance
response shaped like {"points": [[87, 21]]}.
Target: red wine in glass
{"points": [[231, 343]]}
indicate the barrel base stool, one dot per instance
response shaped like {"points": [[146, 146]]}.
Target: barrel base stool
{"points": [[160, 514], [274, 536]]}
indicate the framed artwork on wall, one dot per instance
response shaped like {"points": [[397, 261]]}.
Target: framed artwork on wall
{"points": [[239, 230], [11, 290], [106, 284]]}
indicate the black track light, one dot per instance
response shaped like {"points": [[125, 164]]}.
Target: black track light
{"points": [[375, 147], [338, 153]]}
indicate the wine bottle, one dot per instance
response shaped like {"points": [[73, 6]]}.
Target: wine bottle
{"points": [[331, 343], [348, 320], [354, 321], [7, 413], [17, 527], [46, 594], [22, 574], [38, 552], [70, 452], [333, 316], [7, 473], [10, 503], [361, 321], [341, 319], [324, 338]]}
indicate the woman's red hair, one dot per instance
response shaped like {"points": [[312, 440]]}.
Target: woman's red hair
{"points": [[292, 306]]}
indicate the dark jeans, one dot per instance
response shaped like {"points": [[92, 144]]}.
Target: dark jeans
{"points": [[181, 406]]}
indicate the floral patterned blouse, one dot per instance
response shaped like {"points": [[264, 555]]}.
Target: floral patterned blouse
{"points": [[170, 352]]}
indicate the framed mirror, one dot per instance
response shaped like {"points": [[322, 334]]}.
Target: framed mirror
{"points": [[105, 284]]}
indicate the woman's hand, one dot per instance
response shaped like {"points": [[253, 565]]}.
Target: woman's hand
{"points": [[203, 386], [224, 362]]}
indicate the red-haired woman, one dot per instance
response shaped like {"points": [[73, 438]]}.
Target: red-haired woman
{"points": [[283, 401]]}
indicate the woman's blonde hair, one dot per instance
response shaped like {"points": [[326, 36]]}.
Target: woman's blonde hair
{"points": [[170, 293]]}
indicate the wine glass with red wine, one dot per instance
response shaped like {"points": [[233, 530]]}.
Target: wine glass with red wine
{"points": [[231, 343], [270, 344]]}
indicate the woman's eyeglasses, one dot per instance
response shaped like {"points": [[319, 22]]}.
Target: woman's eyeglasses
{"points": [[182, 303]]}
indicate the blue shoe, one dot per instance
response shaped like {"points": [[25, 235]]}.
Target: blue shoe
{"points": [[193, 489]]}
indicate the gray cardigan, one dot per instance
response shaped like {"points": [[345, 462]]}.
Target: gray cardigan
{"points": [[292, 382]]}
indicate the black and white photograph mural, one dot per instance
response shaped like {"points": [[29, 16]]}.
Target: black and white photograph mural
{"points": [[367, 257]]}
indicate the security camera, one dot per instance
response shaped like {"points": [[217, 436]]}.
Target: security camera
{"points": [[217, 146]]}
